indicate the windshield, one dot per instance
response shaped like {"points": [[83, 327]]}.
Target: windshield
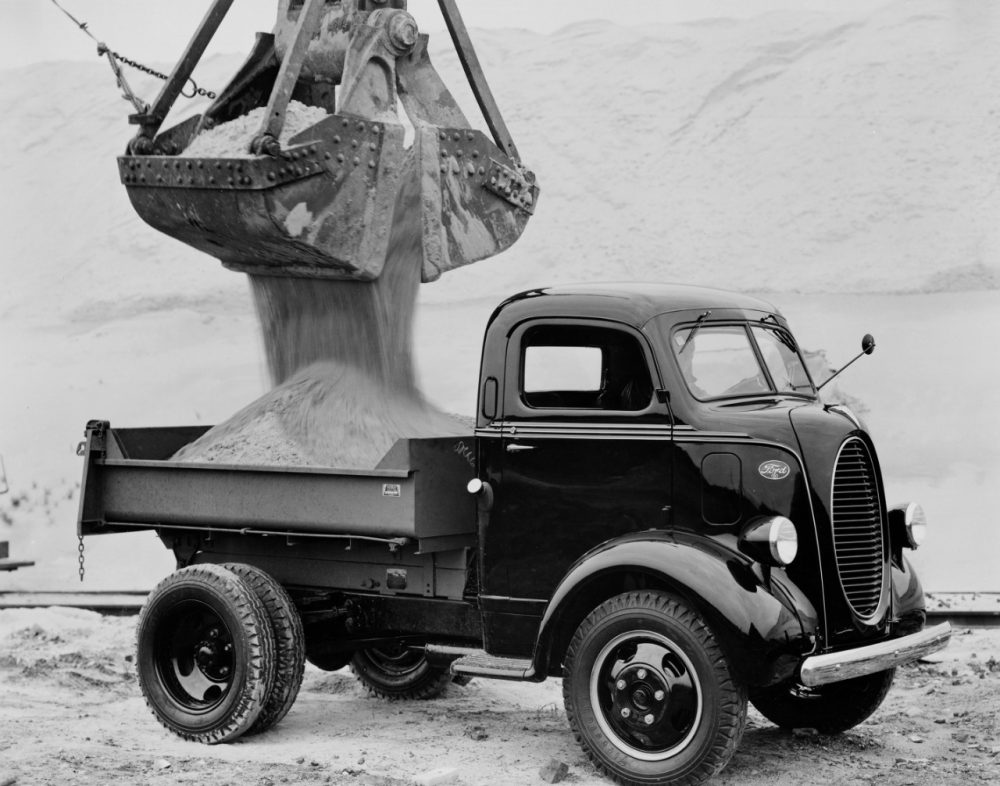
{"points": [[723, 361], [782, 359]]}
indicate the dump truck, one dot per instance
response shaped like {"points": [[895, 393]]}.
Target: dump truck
{"points": [[655, 505]]}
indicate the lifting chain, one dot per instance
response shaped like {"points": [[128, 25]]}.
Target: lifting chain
{"points": [[102, 49], [79, 549]]}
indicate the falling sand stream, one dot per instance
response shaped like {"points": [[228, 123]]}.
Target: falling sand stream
{"points": [[340, 359]]}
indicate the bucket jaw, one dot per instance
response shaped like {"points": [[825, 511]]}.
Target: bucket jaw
{"points": [[321, 203]]}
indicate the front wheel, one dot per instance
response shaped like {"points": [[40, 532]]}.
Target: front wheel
{"points": [[830, 709], [649, 694]]}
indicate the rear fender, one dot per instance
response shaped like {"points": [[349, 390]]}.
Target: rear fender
{"points": [[762, 621]]}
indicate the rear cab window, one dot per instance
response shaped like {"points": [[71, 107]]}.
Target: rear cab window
{"points": [[583, 367]]}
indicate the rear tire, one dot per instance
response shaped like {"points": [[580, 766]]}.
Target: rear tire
{"points": [[330, 662], [395, 672], [289, 643], [830, 709], [205, 654], [649, 694]]}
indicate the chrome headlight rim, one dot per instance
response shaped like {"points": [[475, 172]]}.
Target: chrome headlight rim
{"points": [[772, 539], [909, 523], [915, 521]]}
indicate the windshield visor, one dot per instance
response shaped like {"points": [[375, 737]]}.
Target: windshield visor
{"points": [[736, 360]]}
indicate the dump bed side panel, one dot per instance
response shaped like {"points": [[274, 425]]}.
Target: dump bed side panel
{"points": [[128, 485]]}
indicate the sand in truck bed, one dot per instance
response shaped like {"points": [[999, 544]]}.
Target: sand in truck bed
{"points": [[340, 359], [328, 414]]}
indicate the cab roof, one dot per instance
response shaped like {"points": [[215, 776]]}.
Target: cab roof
{"points": [[631, 303]]}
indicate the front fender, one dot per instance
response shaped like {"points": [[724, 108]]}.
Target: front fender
{"points": [[762, 621], [908, 606]]}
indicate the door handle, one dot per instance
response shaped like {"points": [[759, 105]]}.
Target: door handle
{"points": [[512, 448]]}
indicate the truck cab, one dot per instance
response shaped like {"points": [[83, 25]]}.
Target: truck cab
{"points": [[687, 414], [652, 441]]}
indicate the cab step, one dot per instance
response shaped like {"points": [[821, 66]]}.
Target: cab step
{"points": [[478, 663]]}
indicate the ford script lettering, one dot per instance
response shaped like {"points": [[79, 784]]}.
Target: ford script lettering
{"points": [[774, 470]]}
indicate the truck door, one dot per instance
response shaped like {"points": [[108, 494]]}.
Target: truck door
{"points": [[584, 456]]}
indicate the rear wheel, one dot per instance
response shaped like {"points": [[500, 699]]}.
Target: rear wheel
{"points": [[289, 644], [830, 709], [396, 672], [649, 694], [329, 661], [205, 654]]}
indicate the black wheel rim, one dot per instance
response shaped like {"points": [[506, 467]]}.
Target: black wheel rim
{"points": [[194, 656], [645, 694], [395, 660]]}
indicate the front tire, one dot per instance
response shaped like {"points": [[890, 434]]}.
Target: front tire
{"points": [[396, 672], [649, 694], [830, 709], [205, 654]]}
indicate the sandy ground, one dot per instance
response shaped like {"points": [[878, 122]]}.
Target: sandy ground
{"points": [[72, 713]]}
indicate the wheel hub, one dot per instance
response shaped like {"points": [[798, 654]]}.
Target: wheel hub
{"points": [[647, 694], [213, 656], [640, 695], [195, 656]]}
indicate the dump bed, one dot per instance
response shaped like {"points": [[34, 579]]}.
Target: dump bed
{"points": [[417, 493]]}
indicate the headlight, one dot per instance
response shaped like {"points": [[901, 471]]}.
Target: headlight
{"points": [[772, 539], [908, 524]]}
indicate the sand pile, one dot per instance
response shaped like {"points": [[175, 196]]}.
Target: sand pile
{"points": [[232, 139], [339, 354], [328, 414]]}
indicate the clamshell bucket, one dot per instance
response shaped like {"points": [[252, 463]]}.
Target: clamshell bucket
{"points": [[475, 201], [322, 203], [323, 208]]}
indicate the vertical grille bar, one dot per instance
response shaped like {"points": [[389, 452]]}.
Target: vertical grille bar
{"points": [[857, 527]]}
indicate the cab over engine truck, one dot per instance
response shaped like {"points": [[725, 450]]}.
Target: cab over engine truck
{"points": [[655, 506]]}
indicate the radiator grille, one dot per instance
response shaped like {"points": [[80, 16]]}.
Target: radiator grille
{"points": [[857, 527]]}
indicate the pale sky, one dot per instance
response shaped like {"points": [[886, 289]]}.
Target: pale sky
{"points": [[157, 31]]}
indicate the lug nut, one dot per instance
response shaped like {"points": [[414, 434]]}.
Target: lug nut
{"points": [[649, 719], [641, 674], [620, 684], [659, 695], [626, 712]]}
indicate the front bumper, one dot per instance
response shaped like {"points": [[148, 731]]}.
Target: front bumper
{"points": [[857, 662]]}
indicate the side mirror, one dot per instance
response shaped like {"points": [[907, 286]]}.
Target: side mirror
{"points": [[867, 347]]}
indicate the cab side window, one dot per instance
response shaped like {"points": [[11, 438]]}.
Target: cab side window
{"points": [[583, 367]]}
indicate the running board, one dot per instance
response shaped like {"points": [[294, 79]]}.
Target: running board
{"points": [[477, 663]]}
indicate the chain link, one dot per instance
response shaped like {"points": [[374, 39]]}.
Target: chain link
{"points": [[79, 549], [195, 90]]}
